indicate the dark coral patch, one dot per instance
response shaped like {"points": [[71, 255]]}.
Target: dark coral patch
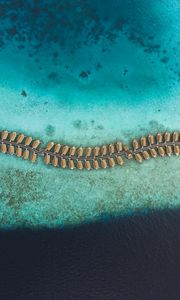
{"points": [[84, 74], [165, 59], [24, 93], [100, 127], [98, 66], [50, 130], [77, 124], [53, 76]]}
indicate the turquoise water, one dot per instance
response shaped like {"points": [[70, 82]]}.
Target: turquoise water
{"points": [[93, 72]]}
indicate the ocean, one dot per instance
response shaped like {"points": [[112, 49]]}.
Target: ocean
{"points": [[90, 73], [87, 73]]}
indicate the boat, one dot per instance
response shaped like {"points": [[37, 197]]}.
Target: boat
{"points": [[63, 163], [111, 149], [87, 165], [145, 155], [95, 164], [128, 152], [71, 164], [65, 150], [104, 150], [26, 154], [20, 138], [96, 151], [103, 164], [47, 159], [143, 141], [12, 136], [138, 157], [88, 151], [28, 141], [49, 146], [80, 151], [176, 150], [153, 152], [35, 144], [161, 151], [119, 147], [57, 148], [33, 157], [111, 162], [167, 136], [55, 161], [19, 151], [159, 138], [119, 160], [79, 165], [11, 149], [3, 148], [168, 150], [151, 139], [4, 134], [175, 136], [135, 144], [72, 151]]}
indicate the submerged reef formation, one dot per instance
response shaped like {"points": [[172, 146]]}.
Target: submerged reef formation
{"points": [[65, 156], [74, 40]]}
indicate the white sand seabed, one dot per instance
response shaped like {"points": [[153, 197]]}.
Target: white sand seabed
{"points": [[87, 125]]}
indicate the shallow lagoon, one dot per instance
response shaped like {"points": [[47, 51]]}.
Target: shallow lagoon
{"points": [[92, 75]]}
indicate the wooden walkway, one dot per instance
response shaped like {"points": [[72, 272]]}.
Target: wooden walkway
{"points": [[80, 158]]}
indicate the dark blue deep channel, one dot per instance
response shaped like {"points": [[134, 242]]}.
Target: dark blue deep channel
{"points": [[135, 258]]}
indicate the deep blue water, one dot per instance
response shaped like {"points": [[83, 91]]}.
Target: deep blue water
{"points": [[135, 258]]}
